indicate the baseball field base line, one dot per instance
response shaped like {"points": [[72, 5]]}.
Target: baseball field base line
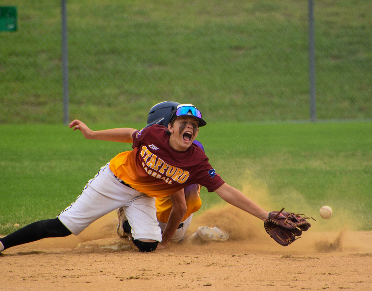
{"points": [[108, 244]]}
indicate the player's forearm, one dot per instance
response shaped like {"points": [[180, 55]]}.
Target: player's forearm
{"points": [[178, 211], [115, 134], [238, 199], [175, 219]]}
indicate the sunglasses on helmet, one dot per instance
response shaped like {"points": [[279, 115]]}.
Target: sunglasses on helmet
{"points": [[188, 109]]}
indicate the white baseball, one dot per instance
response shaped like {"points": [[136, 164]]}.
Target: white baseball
{"points": [[325, 212]]}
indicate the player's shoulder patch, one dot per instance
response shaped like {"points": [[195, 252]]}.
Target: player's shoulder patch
{"points": [[139, 132], [212, 173]]}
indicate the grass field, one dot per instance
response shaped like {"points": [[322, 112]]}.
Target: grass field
{"points": [[237, 60], [300, 166]]}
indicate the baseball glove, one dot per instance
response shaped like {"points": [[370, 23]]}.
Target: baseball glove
{"points": [[285, 227]]}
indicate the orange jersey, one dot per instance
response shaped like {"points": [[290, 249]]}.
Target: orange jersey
{"points": [[193, 202], [156, 169]]}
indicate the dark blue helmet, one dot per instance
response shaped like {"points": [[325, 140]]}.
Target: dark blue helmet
{"points": [[161, 113]]}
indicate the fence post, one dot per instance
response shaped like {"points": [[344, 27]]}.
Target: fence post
{"points": [[312, 60], [65, 62]]}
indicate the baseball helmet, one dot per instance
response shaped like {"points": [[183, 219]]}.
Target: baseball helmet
{"points": [[160, 113]]}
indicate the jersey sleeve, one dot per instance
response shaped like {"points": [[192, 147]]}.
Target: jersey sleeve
{"points": [[138, 136], [208, 177]]}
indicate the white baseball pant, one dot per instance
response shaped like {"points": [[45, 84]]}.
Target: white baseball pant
{"points": [[105, 193]]}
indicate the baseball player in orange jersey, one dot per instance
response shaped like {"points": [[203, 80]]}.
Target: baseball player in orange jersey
{"points": [[162, 163], [160, 114]]}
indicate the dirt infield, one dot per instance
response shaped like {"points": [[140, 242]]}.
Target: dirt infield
{"points": [[98, 260]]}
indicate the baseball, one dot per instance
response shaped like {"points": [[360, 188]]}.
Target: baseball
{"points": [[325, 212]]}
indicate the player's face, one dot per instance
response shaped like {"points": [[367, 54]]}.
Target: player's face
{"points": [[183, 132]]}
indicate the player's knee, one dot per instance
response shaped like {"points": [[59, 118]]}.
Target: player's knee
{"points": [[144, 246], [52, 228]]}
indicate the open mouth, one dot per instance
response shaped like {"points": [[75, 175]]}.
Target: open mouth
{"points": [[187, 136]]}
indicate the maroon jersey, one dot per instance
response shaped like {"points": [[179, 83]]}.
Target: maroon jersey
{"points": [[154, 168]]}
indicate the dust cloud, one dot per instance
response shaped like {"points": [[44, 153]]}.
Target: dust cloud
{"points": [[337, 234]]}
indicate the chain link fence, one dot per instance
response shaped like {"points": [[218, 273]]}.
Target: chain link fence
{"points": [[235, 60]]}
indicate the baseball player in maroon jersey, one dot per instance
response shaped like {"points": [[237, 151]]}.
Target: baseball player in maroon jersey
{"points": [[160, 114], [162, 163]]}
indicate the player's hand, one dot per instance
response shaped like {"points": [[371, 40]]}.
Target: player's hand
{"points": [[79, 125]]}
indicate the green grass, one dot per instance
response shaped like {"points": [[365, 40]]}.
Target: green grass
{"points": [[322, 162], [236, 60], [299, 166]]}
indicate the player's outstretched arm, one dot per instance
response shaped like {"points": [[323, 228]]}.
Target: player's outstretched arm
{"points": [[238, 199], [178, 211], [115, 134]]}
